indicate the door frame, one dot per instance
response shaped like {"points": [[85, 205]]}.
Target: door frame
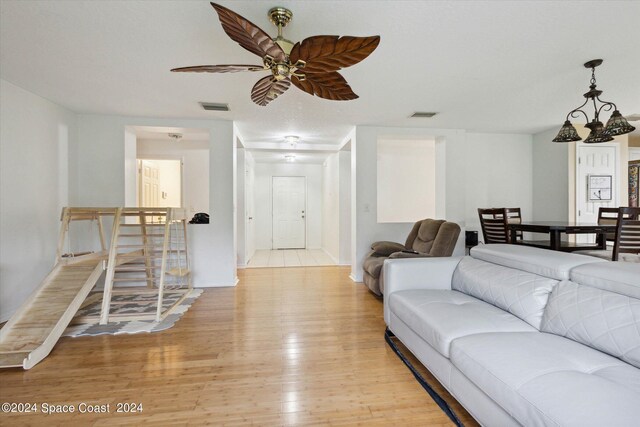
{"points": [[160, 157], [306, 212]]}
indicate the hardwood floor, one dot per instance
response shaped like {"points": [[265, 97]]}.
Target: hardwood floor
{"points": [[287, 346]]}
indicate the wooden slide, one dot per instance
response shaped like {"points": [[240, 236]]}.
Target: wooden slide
{"points": [[147, 245], [33, 331]]}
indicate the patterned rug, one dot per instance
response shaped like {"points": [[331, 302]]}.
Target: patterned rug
{"points": [[141, 303]]}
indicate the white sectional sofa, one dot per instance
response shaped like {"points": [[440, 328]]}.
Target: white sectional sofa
{"points": [[524, 336]]}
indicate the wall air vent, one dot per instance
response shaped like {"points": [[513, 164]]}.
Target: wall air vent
{"points": [[423, 114], [212, 106]]}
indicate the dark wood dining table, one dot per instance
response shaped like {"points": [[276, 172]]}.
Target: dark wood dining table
{"points": [[555, 230]]}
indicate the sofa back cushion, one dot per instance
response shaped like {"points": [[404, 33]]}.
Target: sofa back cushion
{"points": [[435, 237], [619, 277], [554, 264], [521, 293], [607, 321], [425, 235]]}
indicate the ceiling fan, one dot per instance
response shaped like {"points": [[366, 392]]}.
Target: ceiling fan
{"points": [[311, 65]]}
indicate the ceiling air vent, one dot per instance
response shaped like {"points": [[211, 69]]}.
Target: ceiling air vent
{"points": [[423, 114], [212, 106]]}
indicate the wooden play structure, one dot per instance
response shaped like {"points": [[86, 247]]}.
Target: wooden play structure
{"points": [[147, 254]]}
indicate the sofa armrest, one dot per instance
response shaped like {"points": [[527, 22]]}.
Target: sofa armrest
{"points": [[385, 248], [408, 254], [416, 273]]}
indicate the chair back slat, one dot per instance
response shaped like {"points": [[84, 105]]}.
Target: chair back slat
{"points": [[494, 225], [627, 238]]}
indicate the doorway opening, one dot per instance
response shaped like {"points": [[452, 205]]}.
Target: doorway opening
{"points": [[294, 204], [167, 167], [159, 183]]}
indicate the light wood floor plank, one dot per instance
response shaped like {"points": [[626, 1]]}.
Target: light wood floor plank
{"points": [[287, 346]]}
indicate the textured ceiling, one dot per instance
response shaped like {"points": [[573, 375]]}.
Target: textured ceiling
{"points": [[483, 66]]}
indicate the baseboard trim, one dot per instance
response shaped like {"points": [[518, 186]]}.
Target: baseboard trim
{"points": [[216, 285], [354, 278]]}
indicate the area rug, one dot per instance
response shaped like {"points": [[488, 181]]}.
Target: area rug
{"points": [[133, 304]]}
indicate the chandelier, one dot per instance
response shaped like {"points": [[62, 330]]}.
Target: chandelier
{"points": [[617, 125]]}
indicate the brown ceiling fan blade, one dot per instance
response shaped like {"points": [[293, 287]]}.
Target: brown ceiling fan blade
{"points": [[247, 34], [324, 54], [326, 85], [267, 89], [231, 68]]}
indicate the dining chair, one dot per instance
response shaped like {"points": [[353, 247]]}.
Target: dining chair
{"points": [[626, 245], [514, 216], [493, 222], [608, 216], [627, 233]]}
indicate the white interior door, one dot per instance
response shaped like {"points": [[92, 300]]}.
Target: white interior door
{"points": [[149, 184], [289, 212], [595, 164], [249, 204]]}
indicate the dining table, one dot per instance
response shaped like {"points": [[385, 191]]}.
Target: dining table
{"points": [[555, 230]]}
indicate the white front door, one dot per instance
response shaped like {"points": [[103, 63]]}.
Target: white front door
{"points": [[597, 166], [289, 212]]}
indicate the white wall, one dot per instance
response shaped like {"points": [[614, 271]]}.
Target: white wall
{"points": [[195, 159], [499, 170], [345, 207], [263, 204], [550, 178], [34, 140], [465, 178], [406, 179], [97, 179], [331, 207], [130, 169]]}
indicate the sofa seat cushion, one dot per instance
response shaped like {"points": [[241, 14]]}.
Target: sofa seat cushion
{"points": [[545, 379], [373, 265], [440, 316]]}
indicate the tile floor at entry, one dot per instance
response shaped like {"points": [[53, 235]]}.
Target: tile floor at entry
{"points": [[290, 258]]}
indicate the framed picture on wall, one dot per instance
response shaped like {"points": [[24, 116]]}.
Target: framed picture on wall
{"points": [[599, 187]]}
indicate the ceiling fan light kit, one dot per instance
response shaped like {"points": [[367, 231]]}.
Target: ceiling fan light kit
{"points": [[616, 125], [311, 65]]}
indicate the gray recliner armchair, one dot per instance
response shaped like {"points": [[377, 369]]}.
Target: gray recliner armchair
{"points": [[428, 238]]}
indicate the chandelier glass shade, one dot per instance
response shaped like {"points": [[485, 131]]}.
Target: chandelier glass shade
{"points": [[616, 125]]}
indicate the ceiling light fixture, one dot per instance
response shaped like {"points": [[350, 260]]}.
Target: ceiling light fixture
{"points": [[290, 158], [617, 125], [292, 139]]}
